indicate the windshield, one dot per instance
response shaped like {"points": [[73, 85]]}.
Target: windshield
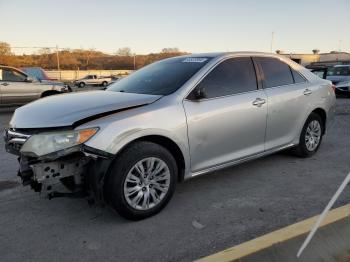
{"points": [[339, 71], [160, 78], [319, 72]]}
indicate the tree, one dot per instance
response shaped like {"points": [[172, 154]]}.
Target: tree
{"points": [[5, 48], [169, 50], [315, 51], [124, 51]]}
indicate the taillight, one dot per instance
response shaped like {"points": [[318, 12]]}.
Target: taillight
{"points": [[333, 88]]}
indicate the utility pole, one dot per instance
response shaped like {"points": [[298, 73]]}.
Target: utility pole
{"points": [[58, 62], [272, 39], [340, 41], [134, 61]]}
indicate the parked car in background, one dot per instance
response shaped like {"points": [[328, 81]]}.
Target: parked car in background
{"points": [[338, 73], [169, 121], [343, 88], [17, 88], [93, 80]]}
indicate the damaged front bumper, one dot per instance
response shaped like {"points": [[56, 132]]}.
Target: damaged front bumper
{"points": [[72, 172]]}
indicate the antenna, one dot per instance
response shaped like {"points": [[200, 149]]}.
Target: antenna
{"points": [[272, 39]]}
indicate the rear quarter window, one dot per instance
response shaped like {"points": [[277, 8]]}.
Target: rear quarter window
{"points": [[298, 78], [276, 72]]}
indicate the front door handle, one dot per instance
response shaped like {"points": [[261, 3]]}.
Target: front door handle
{"points": [[259, 102], [4, 84], [307, 92]]}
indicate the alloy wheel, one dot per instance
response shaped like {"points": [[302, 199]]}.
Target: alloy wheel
{"points": [[147, 183], [313, 135]]}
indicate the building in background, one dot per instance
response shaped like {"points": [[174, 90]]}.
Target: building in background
{"points": [[317, 59]]}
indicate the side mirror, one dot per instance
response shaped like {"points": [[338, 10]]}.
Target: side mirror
{"points": [[29, 79], [199, 93]]}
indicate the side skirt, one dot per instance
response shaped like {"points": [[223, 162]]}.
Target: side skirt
{"points": [[237, 162]]}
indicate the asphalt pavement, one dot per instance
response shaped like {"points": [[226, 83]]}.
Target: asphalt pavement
{"points": [[207, 214]]}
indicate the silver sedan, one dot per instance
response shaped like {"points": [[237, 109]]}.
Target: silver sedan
{"points": [[170, 121]]}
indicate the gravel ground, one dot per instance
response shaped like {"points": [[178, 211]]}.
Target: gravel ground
{"points": [[206, 215]]}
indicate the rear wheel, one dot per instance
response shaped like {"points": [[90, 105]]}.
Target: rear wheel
{"points": [[311, 136], [141, 180]]}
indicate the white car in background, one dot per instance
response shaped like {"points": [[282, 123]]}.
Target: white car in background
{"points": [[93, 80]]}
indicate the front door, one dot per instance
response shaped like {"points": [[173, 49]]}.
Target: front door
{"points": [[230, 122], [15, 90]]}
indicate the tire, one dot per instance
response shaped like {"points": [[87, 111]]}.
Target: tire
{"points": [[49, 93], [104, 83], [303, 149], [117, 184], [81, 84]]}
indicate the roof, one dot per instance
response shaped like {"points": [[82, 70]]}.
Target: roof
{"points": [[218, 54]]}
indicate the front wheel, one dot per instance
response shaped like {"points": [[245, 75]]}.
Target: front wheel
{"points": [[104, 83], [141, 180], [81, 84], [310, 137]]}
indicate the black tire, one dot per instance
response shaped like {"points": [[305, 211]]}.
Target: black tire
{"points": [[114, 183], [104, 83], [301, 150], [49, 93], [81, 84]]}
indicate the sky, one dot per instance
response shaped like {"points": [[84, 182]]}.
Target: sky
{"points": [[193, 25]]}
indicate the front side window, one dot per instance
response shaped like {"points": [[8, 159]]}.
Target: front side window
{"points": [[276, 72], [232, 76], [339, 71], [160, 78], [12, 76]]}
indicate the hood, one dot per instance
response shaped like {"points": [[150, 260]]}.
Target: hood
{"points": [[50, 82], [338, 78], [343, 84], [67, 109]]}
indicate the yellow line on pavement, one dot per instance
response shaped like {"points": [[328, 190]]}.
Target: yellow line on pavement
{"points": [[278, 236]]}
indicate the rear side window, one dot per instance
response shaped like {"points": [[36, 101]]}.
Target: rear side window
{"points": [[339, 71], [276, 72], [232, 76], [298, 78]]}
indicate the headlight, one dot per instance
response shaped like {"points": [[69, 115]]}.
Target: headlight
{"points": [[47, 143]]}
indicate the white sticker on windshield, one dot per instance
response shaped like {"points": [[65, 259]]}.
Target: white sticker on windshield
{"points": [[195, 60]]}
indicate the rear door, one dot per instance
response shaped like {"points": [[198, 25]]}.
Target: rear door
{"points": [[15, 89], [94, 80], [288, 95], [230, 122]]}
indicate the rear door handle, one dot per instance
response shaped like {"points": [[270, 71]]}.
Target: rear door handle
{"points": [[4, 84], [307, 92], [259, 102]]}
